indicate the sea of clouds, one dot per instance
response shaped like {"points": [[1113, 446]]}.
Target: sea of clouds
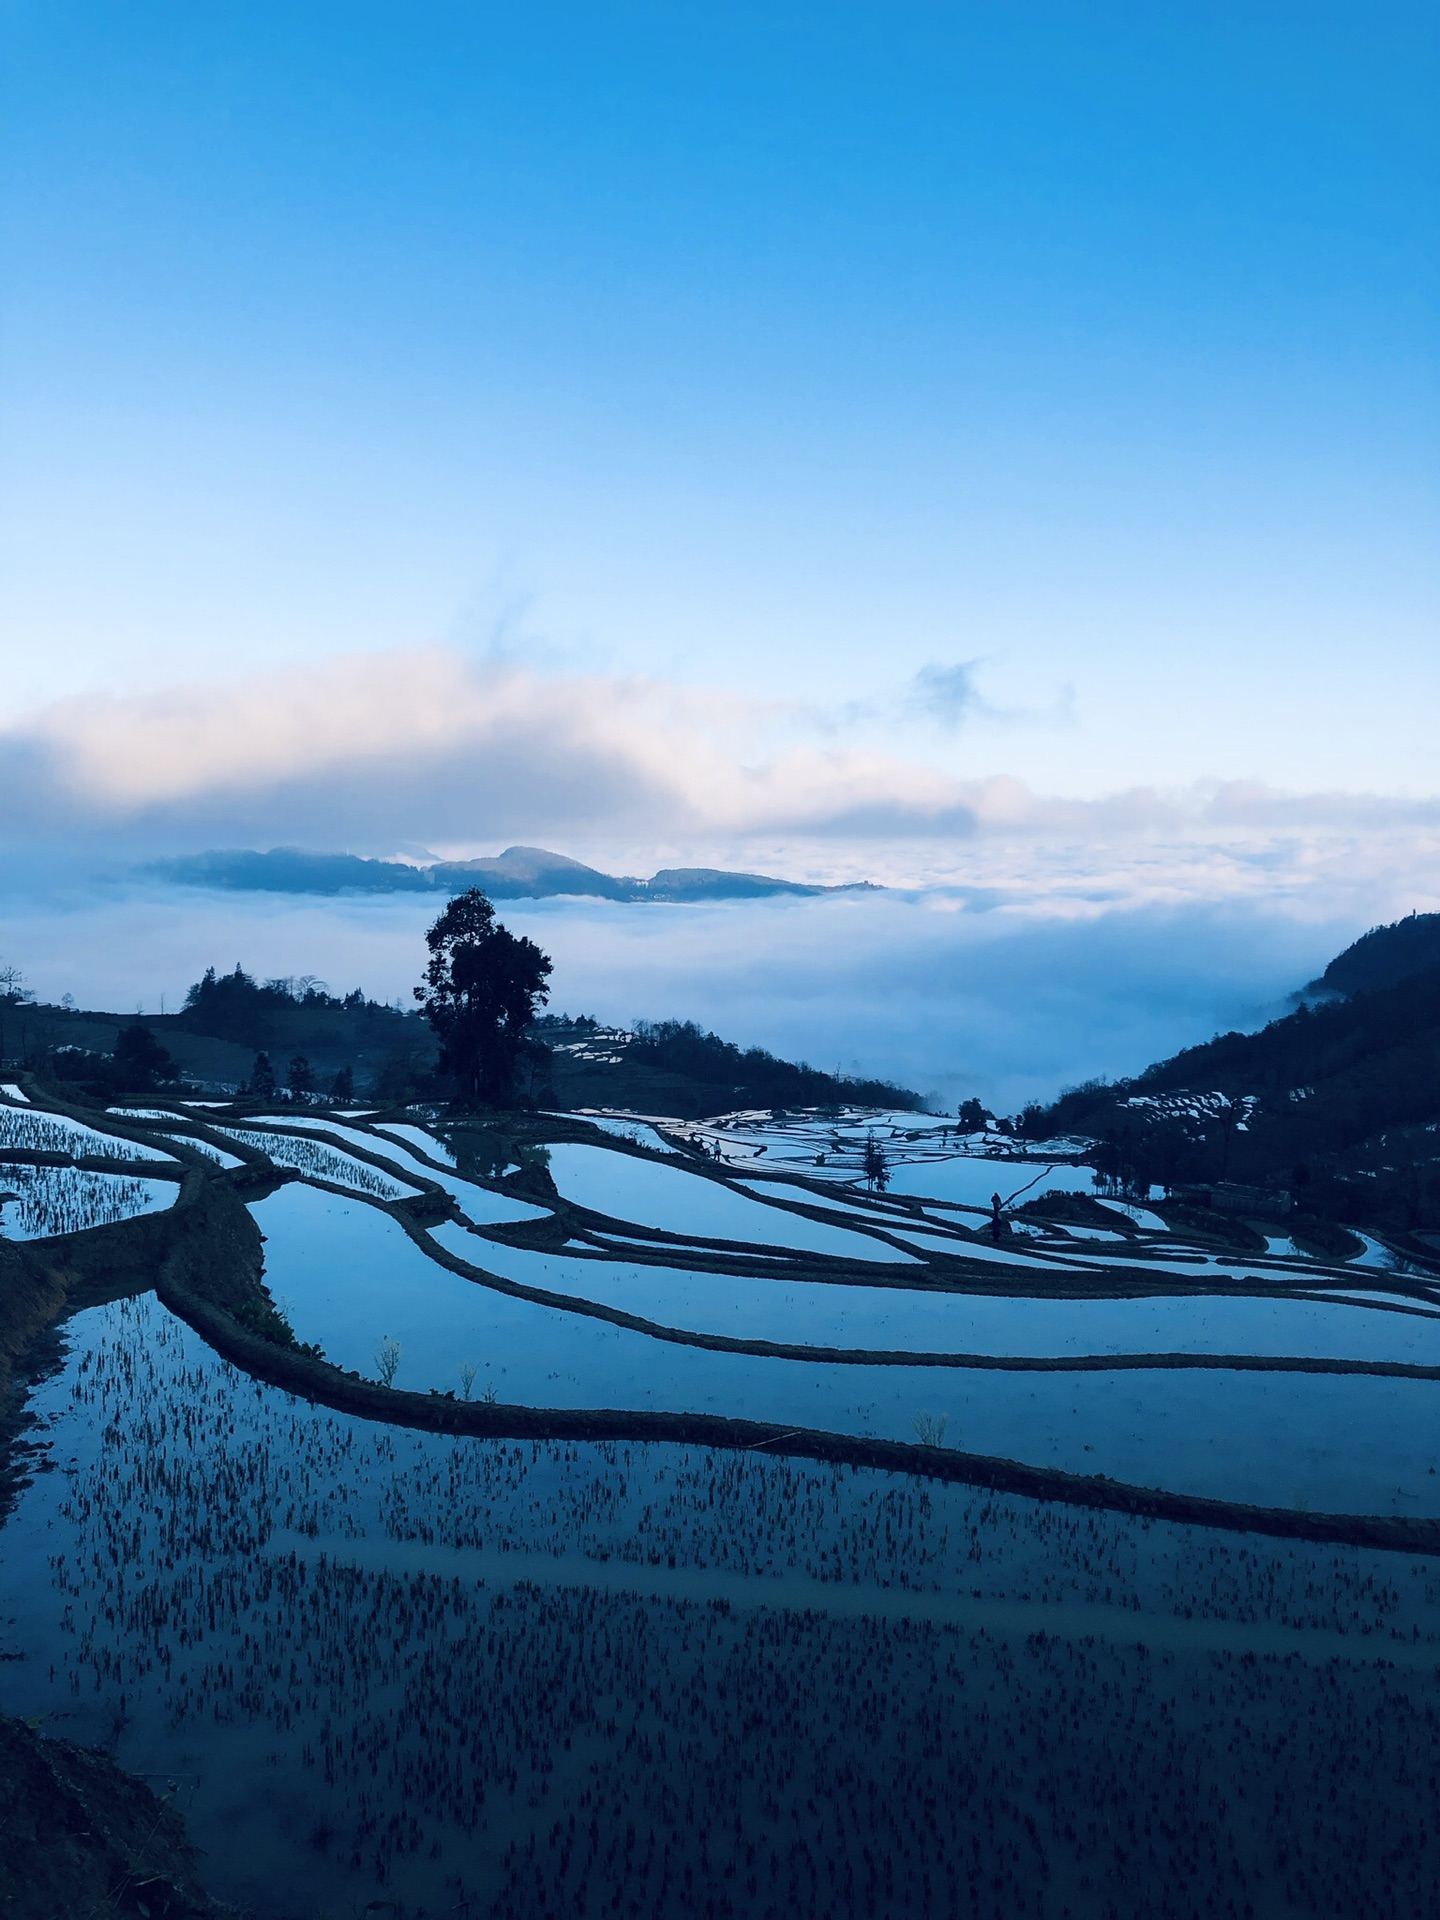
{"points": [[1024, 942], [948, 998]]}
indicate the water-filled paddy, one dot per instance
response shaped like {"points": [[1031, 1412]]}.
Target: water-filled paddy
{"points": [[1021, 1250], [1051, 1257], [836, 1142], [969, 1182], [481, 1206], [620, 1127], [821, 1313], [331, 1636], [36, 1202], [320, 1161], [479, 1677], [428, 1143], [208, 1148], [652, 1194], [33, 1130], [855, 1205], [350, 1277]]}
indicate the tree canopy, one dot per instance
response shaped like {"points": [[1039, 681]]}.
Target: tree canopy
{"points": [[482, 988], [139, 1060], [236, 1006]]}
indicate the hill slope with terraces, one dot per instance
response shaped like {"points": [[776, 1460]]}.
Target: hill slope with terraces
{"points": [[1337, 1103]]}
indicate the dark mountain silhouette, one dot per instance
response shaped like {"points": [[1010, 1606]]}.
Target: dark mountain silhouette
{"points": [[1337, 1103], [715, 883], [1384, 957], [289, 870], [530, 873], [519, 873], [227, 1020]]}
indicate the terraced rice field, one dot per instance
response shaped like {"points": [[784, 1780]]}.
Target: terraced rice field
{"points": [[459, 1673]]}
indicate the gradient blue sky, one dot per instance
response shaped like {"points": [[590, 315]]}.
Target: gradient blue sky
{"points": [[990, 449], [796, 352]]}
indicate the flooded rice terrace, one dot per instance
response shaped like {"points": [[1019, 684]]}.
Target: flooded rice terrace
{"points": [[419, 1672]]}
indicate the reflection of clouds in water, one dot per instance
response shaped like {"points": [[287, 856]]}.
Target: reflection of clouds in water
{"points": [[1008, 1004]]}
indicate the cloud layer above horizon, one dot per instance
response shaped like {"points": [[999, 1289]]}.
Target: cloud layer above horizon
{"points": [[425, 749]]}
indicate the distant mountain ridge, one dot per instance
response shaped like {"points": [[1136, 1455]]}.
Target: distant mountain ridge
{"points": [[519, 873]]}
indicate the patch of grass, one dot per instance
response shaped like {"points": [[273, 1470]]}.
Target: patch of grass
{"points": [[258, 1314]]}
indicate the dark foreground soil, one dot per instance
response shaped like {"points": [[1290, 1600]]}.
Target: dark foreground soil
{"points": [[79, 1837]]}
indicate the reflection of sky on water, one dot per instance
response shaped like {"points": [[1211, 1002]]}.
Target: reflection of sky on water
{"points": [[348, 1276], [51, 1200], [638, 1131], [319, 1160], [900, 1317], [418, 1137], [33, 1130], [653, 1195], [860, 1206], [968, 1182], [479, 1205], [94, 1565], [208, 1148]]}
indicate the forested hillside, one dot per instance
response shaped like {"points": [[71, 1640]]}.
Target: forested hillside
{"points": [[345, 1046], [1338, 1102], [212, 1041], [674, 1067], [1384, 957]]}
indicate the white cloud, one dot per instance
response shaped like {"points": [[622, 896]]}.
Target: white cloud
{"points": [[424, 744], [376, 752]]}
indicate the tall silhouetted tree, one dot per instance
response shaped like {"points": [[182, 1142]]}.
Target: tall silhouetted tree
{"points": [[481, 991], [262, 1076], [877, 1172], [140, 1060], [301, 1076]]}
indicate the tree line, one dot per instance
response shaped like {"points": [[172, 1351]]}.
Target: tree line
{"points": [[481, 998]]}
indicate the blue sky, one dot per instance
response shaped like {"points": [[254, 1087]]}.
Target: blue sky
{"points": [[786, 352], [991, 449]]}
